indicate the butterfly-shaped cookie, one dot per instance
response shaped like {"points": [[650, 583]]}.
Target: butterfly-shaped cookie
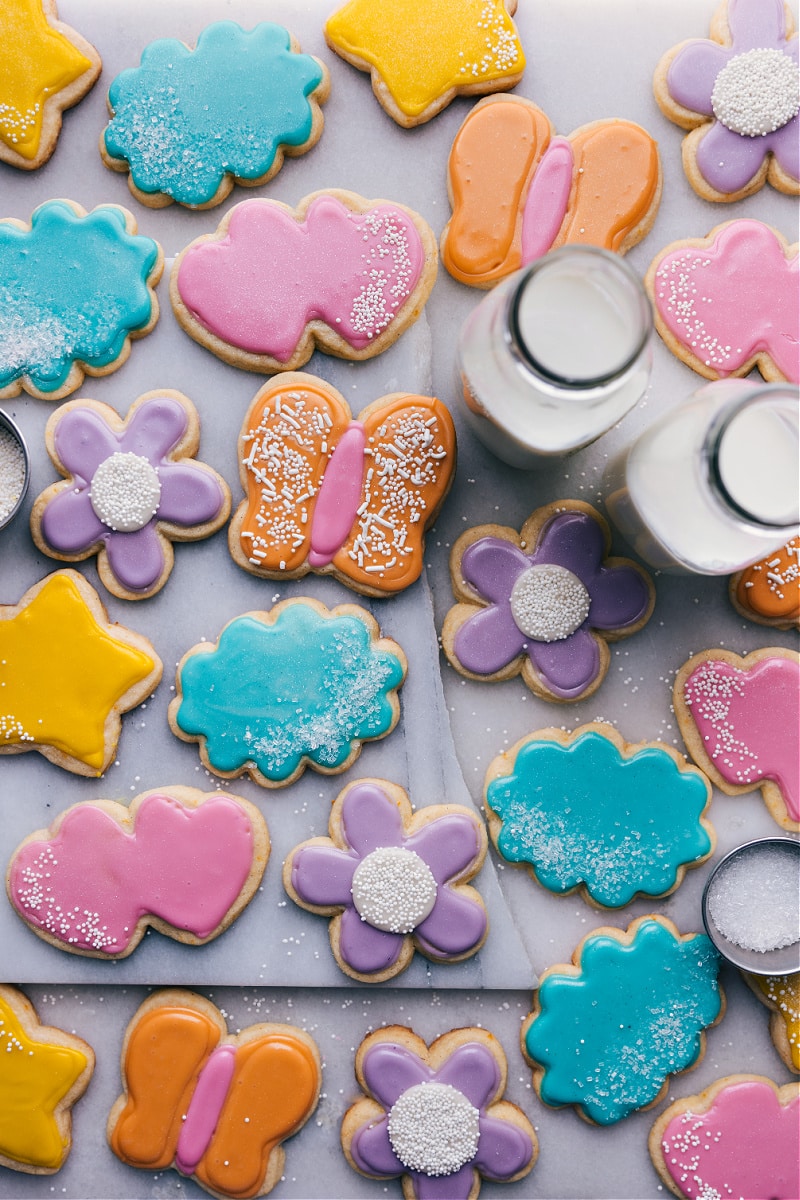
{"points": [[334, 495], [213, 1105], [517, 190]]}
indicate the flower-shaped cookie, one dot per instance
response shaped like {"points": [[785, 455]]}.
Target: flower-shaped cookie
{"points": [[737, 91], [543, 603], [435, 1115], [392, 881], [131, 489]]}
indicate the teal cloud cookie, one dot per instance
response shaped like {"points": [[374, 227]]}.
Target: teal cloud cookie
{"points": [[588, 810], [608, 1031], [298, 686], [75, 288], [187, 124]]}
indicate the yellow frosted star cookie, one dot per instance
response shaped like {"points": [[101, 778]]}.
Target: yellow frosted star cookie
{"points": [[422, 54], [45, 67], [67, 674]]}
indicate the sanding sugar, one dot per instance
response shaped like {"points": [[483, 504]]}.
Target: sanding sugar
{"points": [[754, 899], [12, 472]]}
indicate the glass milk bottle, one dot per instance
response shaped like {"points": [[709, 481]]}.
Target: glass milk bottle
{"points": [[713, 485], [555, 355]]}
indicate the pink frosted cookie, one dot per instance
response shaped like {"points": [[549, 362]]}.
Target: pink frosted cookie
{"points": [[728, 302], [737, 92], [184, 861], [739, 1137], [739, 718], [272, 283]]}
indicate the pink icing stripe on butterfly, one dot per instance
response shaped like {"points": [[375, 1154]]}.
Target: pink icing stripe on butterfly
{"points": [[259, 286], [205, 1107], [547, 199], [339, 496], [729, 297], [89, 884]]}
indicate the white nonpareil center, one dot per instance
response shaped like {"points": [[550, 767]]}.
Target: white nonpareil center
{"points": [[548, 603], [756, 92], [125, 492], [434, 1129], [393, 889]]}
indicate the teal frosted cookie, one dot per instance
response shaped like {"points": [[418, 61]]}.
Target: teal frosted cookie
{"points": [[609, 1029], [589, 811], [75, 289], [300, 685], [188, 124]]}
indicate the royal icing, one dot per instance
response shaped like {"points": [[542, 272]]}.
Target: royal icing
{"points": [[36, 1074], [387, 876], [67, 675], [74, 287], [424, 53], [587, 813], [326, 492], [259, 284], [731, 298], [518, 192], [185, 119], [46, 67], [748, 721], [124, 480], [214, 1109], [744, 1142], [771, 587], [96, 878], [278, 691], [782, 994]]}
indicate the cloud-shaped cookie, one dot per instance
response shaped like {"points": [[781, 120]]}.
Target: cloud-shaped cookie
{"points": [[187, 123], [75, 287], [297, 686]]}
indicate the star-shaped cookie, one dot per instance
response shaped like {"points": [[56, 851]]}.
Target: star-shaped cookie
{"points": [[422, 53], [67, 674], [45, 67]]}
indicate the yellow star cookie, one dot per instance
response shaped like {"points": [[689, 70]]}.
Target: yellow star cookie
{"points": [[66, 674], [43, 1071], [45, 67], [422, 53]]}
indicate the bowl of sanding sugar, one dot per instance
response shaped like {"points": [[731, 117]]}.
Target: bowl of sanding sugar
{"points": [[14, 469], [751, 906]]}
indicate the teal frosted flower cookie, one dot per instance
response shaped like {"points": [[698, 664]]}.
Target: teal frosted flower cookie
{"points": [[300, 685], [608, 1030], [188, 124], [75, 289], [590, 811]]}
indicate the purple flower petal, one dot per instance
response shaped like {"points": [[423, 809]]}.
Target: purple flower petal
{"points": [[492, 567], [693, 73], [620, 597], [154, 428], [756, 23], [455, 925], [503, 1150], [363, 947], [573, 540], [83, 441], [70, 524], [389, 1070], [457, 1186], [136, 559], [488, 641], [323, 875], [447, 845], [189, 495], [372, 1150], [785, 145], [728, 161], [567, 667], [472, 1070], [370, 819]]}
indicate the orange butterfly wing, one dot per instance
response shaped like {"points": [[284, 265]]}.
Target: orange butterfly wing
{"points": [[408, 468]]}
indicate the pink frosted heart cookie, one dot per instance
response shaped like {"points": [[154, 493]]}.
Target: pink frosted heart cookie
{"points": [[739, 718]]}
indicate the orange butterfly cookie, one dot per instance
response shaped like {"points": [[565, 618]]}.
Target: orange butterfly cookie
{"points": [[215, 1106], [517, 190], [334, 495], [768, 592]]}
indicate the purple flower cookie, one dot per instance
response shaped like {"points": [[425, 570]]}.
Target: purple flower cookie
{"points": [[392, 880], [543, 603]]}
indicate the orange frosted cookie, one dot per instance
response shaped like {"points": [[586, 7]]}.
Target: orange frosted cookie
{"points": [[43, 1071], [214, 1105], [769, 591], [517, 190]]}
